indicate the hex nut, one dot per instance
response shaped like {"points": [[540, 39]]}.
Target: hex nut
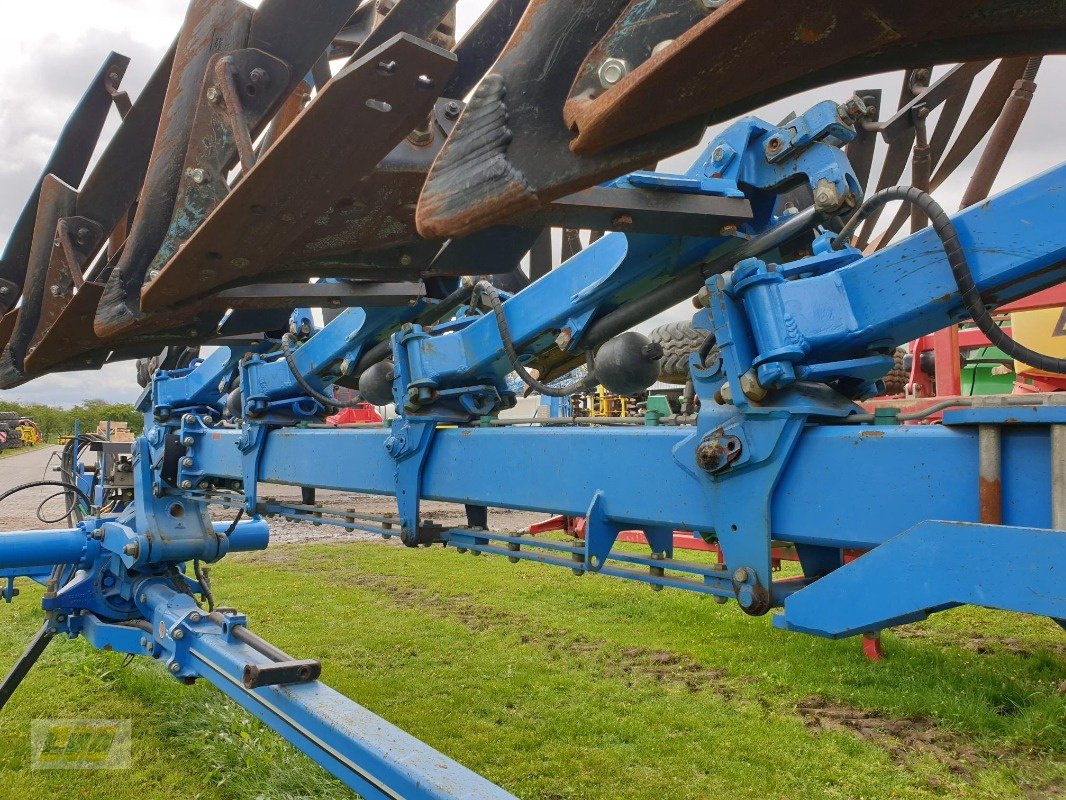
{"points": [[611, 71]]}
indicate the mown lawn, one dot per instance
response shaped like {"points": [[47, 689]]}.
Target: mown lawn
{"points": [[556, 686]]}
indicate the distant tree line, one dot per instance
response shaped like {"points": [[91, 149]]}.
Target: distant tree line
{"points": [[55, 422]]}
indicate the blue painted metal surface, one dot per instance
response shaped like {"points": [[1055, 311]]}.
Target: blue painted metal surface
{"points": [[779, 452]]}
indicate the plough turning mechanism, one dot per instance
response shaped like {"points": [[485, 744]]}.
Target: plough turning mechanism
{"points": [[353, 156]]}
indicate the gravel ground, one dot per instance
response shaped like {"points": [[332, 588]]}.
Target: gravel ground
{"points": [[18, 512]]}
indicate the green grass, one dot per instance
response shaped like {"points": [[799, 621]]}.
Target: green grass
{"points": [[15, 451], [561, 687]]}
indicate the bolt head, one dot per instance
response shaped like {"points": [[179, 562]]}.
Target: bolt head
{"points": [[178, 634], [4, 290], [195, 617], [452, 109], [209, 420], [83, 236], [188, 419], [259, 75], [188, 441], [741, 575], [186, 462], [214, 96], [56, 291], [718, 154], [186, 484], [175, 667], [611, 71], [196, 175], [144, 599]]}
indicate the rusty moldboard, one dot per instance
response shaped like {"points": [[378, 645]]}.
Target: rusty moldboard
{"points": [[510, 151], [210, 27], [364, 111], [69, 159], [57, 200], [752, 52]]}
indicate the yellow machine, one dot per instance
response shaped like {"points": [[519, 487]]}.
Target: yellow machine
{"points": [[29, 434]]}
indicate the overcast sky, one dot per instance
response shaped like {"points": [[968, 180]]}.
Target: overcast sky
{"points": [[44, 67]]}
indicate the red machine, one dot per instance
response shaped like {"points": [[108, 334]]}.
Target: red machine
{"points": [[362, 413]]}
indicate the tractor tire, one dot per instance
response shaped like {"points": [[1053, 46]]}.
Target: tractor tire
{"points": [[896, 379], [679, 340]]}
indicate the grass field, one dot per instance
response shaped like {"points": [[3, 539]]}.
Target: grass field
{"points": [[556, 686], [16, 451]]}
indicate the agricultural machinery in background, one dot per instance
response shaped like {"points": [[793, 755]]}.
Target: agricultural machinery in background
{"points": [[17, 431], [355, 157]]}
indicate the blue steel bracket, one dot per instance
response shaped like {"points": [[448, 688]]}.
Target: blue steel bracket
{"points": [[409, 446], [935, 561]]}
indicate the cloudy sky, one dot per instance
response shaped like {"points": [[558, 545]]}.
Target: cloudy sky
{"points": [[44, 67]]}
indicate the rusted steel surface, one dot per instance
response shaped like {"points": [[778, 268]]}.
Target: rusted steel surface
{"points": [[69, 159], [509, 153], [990, 476], [210, 27], [241, 90], [378, 212], [483, 43], [112, 186], [286, 115], [364, 112], [56, 201], [1002, 138], [751, 52], [419, 18], [66, 332]]}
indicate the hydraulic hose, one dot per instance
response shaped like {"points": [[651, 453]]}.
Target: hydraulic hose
{"points": [[960, 269], [488, 291]]}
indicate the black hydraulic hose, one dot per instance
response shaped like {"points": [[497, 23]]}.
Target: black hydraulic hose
{"points": [[328, 402], [488, 291], [960, 269], [33, 484]]}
